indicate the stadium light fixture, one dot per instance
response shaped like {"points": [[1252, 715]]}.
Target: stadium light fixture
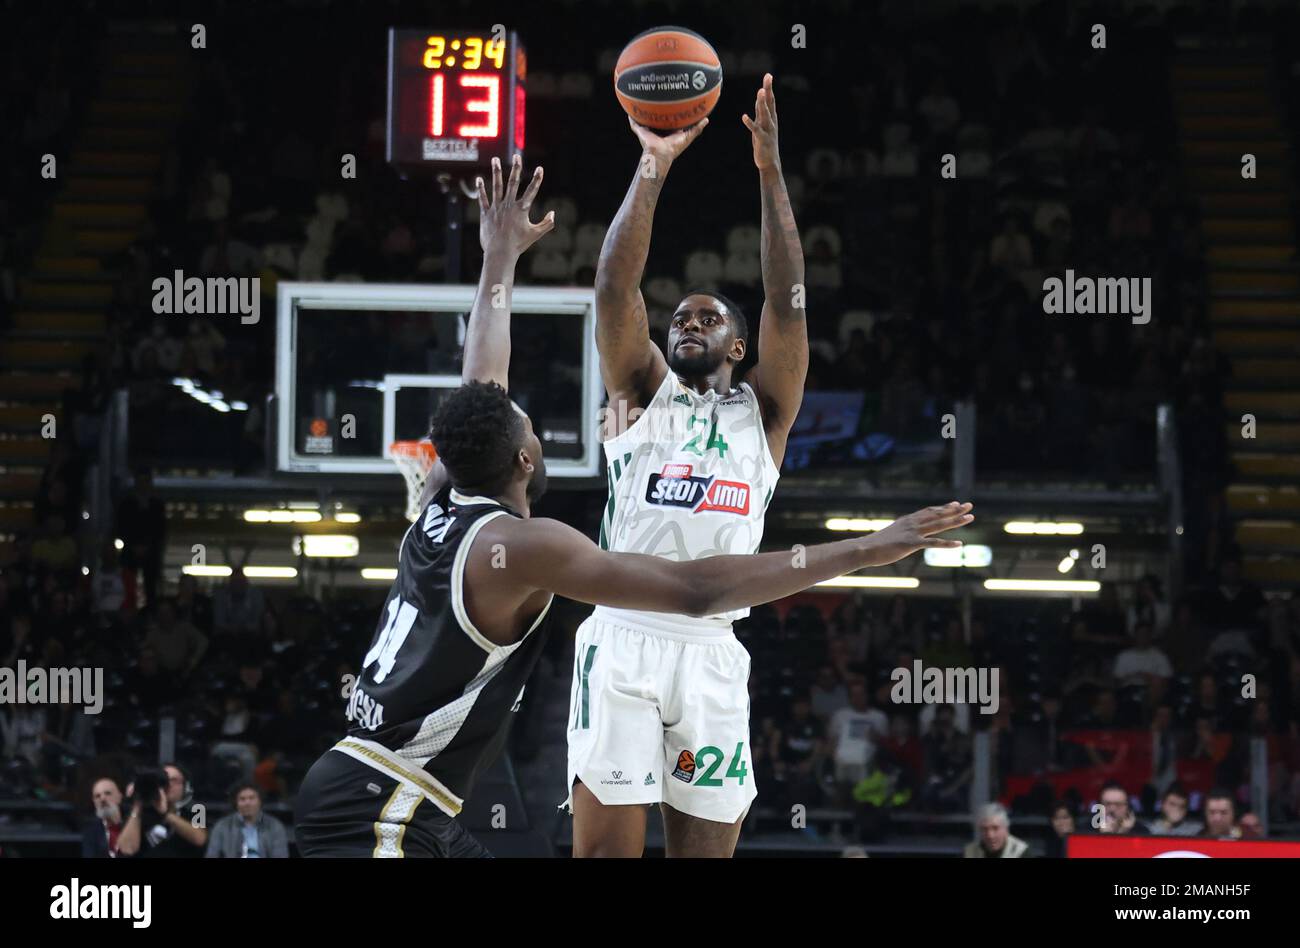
{"points": [[270, 572], [282, 516], [871, 582], [379, 574], [1042, 585], [1043, 528], [1067, 563], [859, 524], [971, 555], [345, 516], [326, 545], [214, 399], [219, 571]]}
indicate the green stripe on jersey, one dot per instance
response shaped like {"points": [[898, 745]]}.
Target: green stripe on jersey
{"points": [[585, 721]]}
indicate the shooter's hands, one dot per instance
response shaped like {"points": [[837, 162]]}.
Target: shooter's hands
{"points": [[915, 532], [665, 148], [762, 128], [503, 223]]}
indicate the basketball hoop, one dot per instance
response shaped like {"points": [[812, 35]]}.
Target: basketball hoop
{"points": [[414, 459]]}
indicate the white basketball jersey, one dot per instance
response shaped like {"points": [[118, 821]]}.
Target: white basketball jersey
{"points": [[691, 477]]}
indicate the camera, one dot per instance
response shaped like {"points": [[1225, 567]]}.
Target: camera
{"points": [[146, 785]]}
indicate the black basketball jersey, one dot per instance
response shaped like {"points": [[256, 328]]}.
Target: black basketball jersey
{"points": [[432, 703]]}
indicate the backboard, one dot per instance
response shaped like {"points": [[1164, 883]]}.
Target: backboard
{"points": [[360, 365]]}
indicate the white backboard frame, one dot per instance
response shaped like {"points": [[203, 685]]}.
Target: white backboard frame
{"points": [[394, 384], [578, 302]]}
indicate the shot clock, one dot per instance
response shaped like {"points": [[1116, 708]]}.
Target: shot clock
{"points": [[455, 98]]}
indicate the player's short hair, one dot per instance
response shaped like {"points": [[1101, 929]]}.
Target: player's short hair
{"points": [[739, 324], [476, 431]]}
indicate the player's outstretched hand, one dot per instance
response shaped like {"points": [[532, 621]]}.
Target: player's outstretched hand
{"points": [[762, 127], [916, 531], [503, 222], [665, 148]]}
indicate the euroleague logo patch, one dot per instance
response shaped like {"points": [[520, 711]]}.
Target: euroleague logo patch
{"points": [[675, 487], [685, 769]]}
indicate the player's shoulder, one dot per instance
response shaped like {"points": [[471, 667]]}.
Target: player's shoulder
{"points": [[526, 529]]}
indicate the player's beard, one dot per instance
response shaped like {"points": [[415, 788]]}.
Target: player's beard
{"points": [[702, 362], [536, 484]]}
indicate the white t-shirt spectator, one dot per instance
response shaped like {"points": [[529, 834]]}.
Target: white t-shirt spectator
{"points": [[1142, 661], [854, 734]]}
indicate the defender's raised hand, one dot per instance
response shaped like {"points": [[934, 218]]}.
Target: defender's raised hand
{"points": [[762, 127], [503, 223], [916, 531], [666, 148]]}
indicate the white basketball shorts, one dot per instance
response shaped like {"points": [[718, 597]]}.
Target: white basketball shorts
{"points": [[659, 712]]}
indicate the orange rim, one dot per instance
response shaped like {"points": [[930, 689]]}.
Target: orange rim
{"points": [[413, 449]]}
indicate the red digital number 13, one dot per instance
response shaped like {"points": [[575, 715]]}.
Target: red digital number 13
{"points": [[490, 106]]}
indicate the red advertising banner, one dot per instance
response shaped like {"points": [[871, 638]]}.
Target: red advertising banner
{"points": [[1175, 847]]}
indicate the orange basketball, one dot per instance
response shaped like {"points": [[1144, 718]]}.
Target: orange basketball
{"points": [[668, 78]]}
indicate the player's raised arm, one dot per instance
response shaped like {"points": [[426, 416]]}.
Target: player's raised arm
{"points": [[631, 365], [548, 555], [778, 379], [504, 232]]}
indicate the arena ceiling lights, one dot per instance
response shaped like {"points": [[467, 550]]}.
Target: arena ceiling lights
{"points": [[858, 524], [214, 399], [1043, 528], [326, 545], [1042, 585], [250, 572], [871, 582], [270, 572], [282, 516], [211, 571], [970, 555]]}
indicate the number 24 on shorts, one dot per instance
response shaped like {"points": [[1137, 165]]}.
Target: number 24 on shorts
{"points": [[709, 759]]}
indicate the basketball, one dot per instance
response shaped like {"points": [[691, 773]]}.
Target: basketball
{"points": [[668, 78]]}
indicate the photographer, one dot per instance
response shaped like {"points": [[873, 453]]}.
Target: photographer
{"points": [[161, 824]]}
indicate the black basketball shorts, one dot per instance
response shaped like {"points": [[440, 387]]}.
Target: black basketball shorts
{"points": [[348, 809]]}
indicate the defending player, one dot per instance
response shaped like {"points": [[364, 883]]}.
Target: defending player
{"points": [[462, 627], [693, 460]]}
